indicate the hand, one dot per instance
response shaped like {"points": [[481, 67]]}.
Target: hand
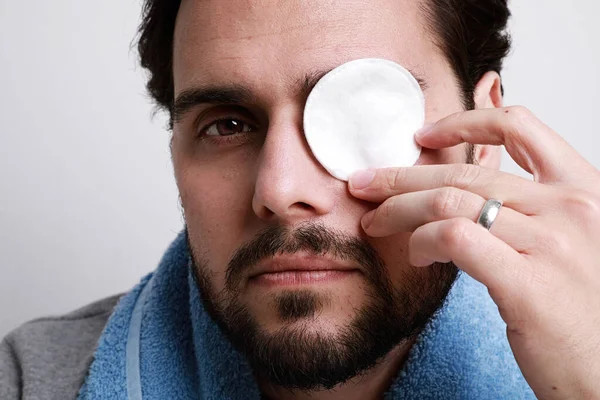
{"points": [[541, 258]]}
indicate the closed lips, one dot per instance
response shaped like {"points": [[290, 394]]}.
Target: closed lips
{"points": [[300, 264]]}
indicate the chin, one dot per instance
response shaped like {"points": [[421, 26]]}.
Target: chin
{"points": [[311, 308]]}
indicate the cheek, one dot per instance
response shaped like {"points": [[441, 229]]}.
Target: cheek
{"points": [[394, 251], [441, 104], [441, 100], [452, 155], [215, 183], [216, 197]]}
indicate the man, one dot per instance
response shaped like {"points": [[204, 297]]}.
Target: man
{"points": [[290, 284]]}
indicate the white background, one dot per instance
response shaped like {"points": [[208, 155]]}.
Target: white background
{"points": [[88, 201]]}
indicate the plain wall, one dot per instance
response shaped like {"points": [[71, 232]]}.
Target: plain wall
{"points": [[88, 200]]}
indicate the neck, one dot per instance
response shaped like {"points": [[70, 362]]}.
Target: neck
{"points": [[370, 385]]}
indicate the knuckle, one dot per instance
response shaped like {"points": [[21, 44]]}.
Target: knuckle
{"points": [[464, 176], [558, 243], [395, 178], [582, 205], [458, 117], [518, 113], [387, 209], [455, 233], [518, 116], [446, 203]]}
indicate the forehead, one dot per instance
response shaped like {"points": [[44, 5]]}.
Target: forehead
{"points": [[268, 44]]}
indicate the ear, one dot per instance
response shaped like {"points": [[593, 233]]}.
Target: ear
{"points": [[488, 94]]}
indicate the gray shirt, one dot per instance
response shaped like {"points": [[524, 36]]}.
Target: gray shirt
{"points": [[48, 358]]}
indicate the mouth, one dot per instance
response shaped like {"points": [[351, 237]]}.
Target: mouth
{"points": [[301, 269]]}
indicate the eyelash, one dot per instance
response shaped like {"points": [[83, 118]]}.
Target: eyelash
{"points": [[224, 140]]}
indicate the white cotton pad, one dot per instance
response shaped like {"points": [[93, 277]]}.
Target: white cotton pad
{"points": [[364, 114]]}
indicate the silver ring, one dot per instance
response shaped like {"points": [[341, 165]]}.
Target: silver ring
{"points": [[489, 213]]}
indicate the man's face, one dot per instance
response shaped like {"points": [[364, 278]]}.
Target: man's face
{"points": [[255, 198]]}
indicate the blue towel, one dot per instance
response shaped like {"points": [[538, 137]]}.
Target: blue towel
{"points": [[160, 343]]}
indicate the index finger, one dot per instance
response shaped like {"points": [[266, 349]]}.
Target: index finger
{"points": [[532, 144]]}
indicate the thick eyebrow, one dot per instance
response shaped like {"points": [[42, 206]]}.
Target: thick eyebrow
{"points": [[310, 80], [238, 94], [421, 80], [307, 84], [229, 94]]}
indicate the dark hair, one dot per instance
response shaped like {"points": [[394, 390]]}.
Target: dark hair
{"points": [[470, 33]]}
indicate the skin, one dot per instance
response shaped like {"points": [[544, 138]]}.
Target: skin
{"points": [[539, 260], [232, 189]]}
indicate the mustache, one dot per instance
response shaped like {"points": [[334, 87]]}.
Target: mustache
{"points": [[313, 238]]}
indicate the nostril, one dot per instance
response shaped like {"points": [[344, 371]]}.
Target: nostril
{"points": [[304, 206], [298, 209]]}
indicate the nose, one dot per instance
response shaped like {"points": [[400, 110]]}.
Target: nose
{"points": [[291, 186]]}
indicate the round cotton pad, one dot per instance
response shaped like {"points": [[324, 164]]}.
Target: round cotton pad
{"points": [[364, 114]]}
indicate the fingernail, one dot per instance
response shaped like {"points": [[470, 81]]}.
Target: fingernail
{"points": [[361, 179], [367, 219], [424, 130]]}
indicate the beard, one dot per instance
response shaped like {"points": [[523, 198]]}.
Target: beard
{"points": [[298, 356]]}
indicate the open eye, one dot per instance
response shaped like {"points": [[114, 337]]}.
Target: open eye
{"points": [[227, 127]]}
